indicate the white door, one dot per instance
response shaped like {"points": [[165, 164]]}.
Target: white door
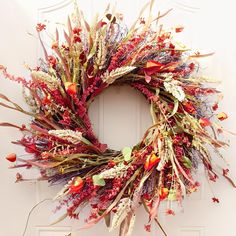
{"points": [[120, 115]]}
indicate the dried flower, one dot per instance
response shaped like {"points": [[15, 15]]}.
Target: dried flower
{"points": [[215, 107], [215, 200], [170, 212], [40, 27], [148, 227]]}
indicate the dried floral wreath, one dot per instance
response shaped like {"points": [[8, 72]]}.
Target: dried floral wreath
{"points": [[60, 139]]}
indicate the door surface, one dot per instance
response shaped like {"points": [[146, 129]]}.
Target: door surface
{"points": [[120, 115]]}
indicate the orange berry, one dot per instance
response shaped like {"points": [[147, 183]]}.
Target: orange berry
{"points": [[11, 157], [179, 29]]}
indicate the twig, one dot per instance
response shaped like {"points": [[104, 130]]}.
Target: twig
{"points": [[31, 211]]}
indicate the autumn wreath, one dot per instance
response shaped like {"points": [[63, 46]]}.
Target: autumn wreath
{"points": [[60, 140]]}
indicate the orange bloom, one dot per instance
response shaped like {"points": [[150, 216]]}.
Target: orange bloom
{"points": [[151, 161], [76, 185], [222, 116], [71, 88], [163, 193]]}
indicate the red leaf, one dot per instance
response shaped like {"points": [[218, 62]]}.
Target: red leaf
{"points": [[153, 67], [152, 63]]}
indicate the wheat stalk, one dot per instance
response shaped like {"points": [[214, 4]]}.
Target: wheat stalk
{"points": [[109, 78]]}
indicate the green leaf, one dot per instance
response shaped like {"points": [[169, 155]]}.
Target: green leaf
{"points": [[172, 195], [97, 180], [127, 151], [187, 163], [107, 219], [137, 146]]}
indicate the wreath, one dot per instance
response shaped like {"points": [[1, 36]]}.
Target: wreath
{"points": [[61, 143]]}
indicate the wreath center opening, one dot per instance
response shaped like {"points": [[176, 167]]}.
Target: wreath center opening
{"points": [[120, 116]]}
